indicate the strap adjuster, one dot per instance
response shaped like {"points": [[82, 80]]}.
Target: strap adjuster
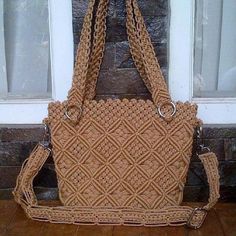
{"points": [[197, 218]]}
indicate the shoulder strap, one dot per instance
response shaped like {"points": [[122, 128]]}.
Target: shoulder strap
{"points": [[179, 215]]}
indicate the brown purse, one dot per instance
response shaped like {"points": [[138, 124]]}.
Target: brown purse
{"points": [[118, 162]]}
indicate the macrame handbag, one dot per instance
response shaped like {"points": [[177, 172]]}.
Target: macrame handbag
{"points": [[118, 162]]}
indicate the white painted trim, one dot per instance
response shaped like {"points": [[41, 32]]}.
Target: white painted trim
{"points": [[180, 49], [211, 110], [217, 113], [3, 71], [62, 47], [33, 111], [16, 113]]}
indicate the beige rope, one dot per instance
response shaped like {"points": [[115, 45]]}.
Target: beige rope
{"points": [[76, 93], [88, 63], [98, 48], [99, 45], [172, 216], [160, 92], [135, 47], [127, 131]]}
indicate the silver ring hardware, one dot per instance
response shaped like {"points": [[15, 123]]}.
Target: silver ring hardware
{"points": [[74, 121], [167, 118]]}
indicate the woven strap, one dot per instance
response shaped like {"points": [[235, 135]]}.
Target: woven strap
{"points": [[90, 54], [176, 215], [135, 47]]}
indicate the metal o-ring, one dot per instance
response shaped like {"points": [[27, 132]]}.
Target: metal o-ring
{"points": [[173, 108], [75, 121]]}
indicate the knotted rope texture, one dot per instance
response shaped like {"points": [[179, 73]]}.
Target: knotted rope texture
{"points": [[172, 216], [90, 53], [122, 163]]}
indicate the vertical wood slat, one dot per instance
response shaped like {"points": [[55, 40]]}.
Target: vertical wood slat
{"points": [[59, 230], [3, 68]]}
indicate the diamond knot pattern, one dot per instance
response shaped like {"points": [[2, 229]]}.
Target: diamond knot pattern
{"points": [[92, 132], [137, 148], [131, 159], [106, 178], [135, 178], [106, 147], [122, 131]]}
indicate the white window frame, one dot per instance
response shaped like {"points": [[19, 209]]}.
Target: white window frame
{"points": [[33, 111], [210, 110]]}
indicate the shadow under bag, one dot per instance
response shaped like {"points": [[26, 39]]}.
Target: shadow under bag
{"points": [[118, 162]]}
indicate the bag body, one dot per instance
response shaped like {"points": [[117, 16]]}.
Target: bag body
{"points": [[122, 154], [117, 161]]}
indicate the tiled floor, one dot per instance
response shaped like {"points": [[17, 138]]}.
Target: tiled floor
{"points": [[221, 221]]}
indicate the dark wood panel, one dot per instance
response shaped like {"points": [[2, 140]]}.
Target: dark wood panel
{"points": [[22, 226], [59, 230], [130, 231], [94, 231], [7, 212], [168, 231], [227, 216]]}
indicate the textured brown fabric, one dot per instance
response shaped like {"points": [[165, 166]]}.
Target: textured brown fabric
{"points": [[118, 161]]}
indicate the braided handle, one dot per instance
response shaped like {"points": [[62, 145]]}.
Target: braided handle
{"points": [[160, 92], [98, 49], [99, 46], [89, 61], [76, 93]]}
